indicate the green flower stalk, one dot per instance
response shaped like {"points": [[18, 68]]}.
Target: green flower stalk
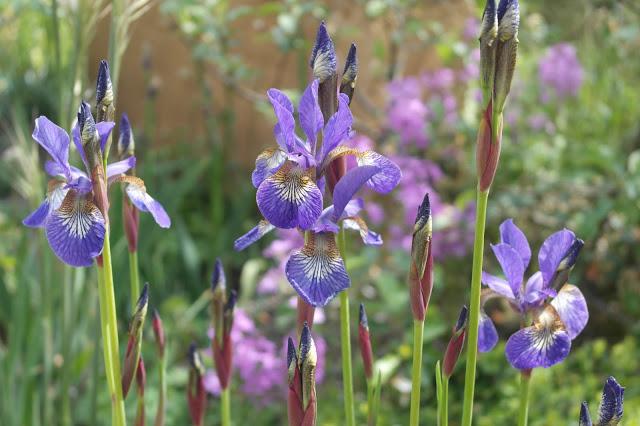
{"points": [[158, 332], [134, 345], [498, 52], [420, 286]]}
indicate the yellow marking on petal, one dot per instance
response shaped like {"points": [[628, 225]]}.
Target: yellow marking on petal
{"points": [[546, 326], [322, 255], [131, 180], [293, 183], [338, 152]]}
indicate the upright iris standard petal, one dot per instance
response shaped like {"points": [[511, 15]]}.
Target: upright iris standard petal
{"points": [[338, 127], [137, 193], [611, 405], [552, 252], [75, 230], [104, 129], [290, 198], [512, 235], [368, 236], [284, 130], [267, 163], [55, 141], [388, 177], [311, 119], [260, 230], [498, 285], [52, 201], [544, 344], [572, 308], [511, 264], [347, 187], [487, 333], [317, 272], [535, 291]]}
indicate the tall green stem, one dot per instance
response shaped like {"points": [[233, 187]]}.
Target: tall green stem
{"points": [[474, 304], [109, 325], [445, 402], [525, 381], [225, 400], [134, 278], [162, 367], [345, 342], [416, 372]]}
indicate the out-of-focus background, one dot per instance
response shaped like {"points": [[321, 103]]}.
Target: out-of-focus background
{"points": [[193, 78]]}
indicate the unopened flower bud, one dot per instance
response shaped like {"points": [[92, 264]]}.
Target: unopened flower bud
{"points": [[158, 332], [324, 68], [196, 396], [292, 361], [421, 270], [488, 35], [561, 276], [219, 299], [134, 345], [323, 57], [350, 73], [126, 144], [228, 311], [585, 417], [454, 348], [86, 125], [308, 359], [612, 403], [488, 146], [364, 340], [104, 88], [506, 51]]}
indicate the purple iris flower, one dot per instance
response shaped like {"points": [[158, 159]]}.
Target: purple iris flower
{"points": [[290, 181], [559, 310], [74, 225]]}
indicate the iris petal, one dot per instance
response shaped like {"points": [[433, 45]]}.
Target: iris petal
{"points": [[512, 235], [585, 417], [572, 308], [535, 292], [544, 344], [338, 127], [260, 230], [75, 230], [487, 333], [284, 130], [612, 403], [498, 285], [389, 175], [52, 201], [55, 141], [358, 224], [267, 163], [511, 264], [348, 185], [553, 251], [317, 272], [290, 198], [311, 119], [120, 167], [137, 193]]}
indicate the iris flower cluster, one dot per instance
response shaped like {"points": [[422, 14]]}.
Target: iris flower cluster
{"points": [[74, 211], [295, 180], [558, 310]]}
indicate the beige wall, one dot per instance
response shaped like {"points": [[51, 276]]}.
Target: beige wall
{"points": [[178, 104]]}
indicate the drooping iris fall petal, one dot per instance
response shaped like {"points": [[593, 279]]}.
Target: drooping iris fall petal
{"points": [[137, 193], [52, 201], [487, 333], [544, 344], [260, 230], [317, 271], [75, 230], [290, 198], [267, 163], [572, 308]]}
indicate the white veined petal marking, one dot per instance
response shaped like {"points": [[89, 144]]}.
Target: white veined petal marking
{"points": [[293, 183], [544, 331], [78, 214], [321, 257]]}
